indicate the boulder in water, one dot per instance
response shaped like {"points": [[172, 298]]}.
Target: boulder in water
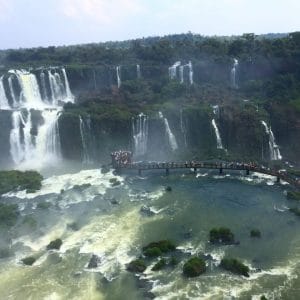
{"points": [[136, 266], [54, 245], [255, 233], [146, 211], [93, 263], [235, 266], [28, 261], [168, 189], [195, 266], [221, 235]]}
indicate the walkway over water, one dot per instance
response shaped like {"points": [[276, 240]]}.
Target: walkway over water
{"points": [[195, 165]]}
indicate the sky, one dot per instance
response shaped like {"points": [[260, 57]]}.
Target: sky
{"points": [[34, 23]]}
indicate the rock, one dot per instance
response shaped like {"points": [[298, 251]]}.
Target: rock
{"points": [[147, 211], [28, 261], [159, 265], [93, 263], [113, 201], [114, 182], [77, 274], [195, 266], [221, 235], [155, 249], [235, 266], [136, 266], [148, 295], [54, 245], [255, 233], [168, 189]]}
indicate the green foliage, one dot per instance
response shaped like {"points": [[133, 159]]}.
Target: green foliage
{"points": [[173, 261], [159, 265], [221, 235], [54, 245], [137, 265], [235, 266], [255, 233], [295, 210], [195, 266], [17, 180], [155, 249], [29, 261], [293, 195], [8, 215]]}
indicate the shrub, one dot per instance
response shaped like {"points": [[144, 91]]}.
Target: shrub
{"points": [[221, 235], [255, 233], [137, 265], [159, 265], [235, 266], [29, 261], [195, 266]]}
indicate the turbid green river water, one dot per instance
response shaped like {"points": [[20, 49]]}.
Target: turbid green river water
{"points": [[110, 224]]}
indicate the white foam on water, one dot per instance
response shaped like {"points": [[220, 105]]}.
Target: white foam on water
{"points": [[55, 184]]}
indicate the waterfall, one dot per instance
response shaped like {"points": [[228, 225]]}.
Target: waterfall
{"points": [[140, 134], [191, 73], [173, 70], [233, 73], [118, 69], [218, 137], [138, 72], [171, 136], [43, 87], [12, 92], [85, 132], [3, 99], [181, 73], [70, 97], [30, 150], [273, 147], [30, 96], [182, 127]]}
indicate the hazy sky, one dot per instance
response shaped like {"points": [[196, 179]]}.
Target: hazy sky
{"points": [[31, 23]]}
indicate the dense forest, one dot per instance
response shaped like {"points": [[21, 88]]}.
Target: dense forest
{"points": [[267, 84]]}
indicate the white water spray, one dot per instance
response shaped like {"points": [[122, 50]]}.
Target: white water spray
{"points": [[171, 136], [233, 73], [138, 72], [273, 147], [218, 136], [118, 69], [12, 92], [85, 131], [173, 71], [140, 134]]}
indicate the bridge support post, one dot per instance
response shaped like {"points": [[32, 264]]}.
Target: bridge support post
{"points": [[247, 172], [195, 170], [167, 172], [221, 170], [278, 179], [140, 172]]}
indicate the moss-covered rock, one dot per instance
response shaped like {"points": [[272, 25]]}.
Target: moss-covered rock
{"points": [[137, 265], [168, 189], [159, 265], [8, 215], [221, 235], [31, 181], [28, 261], [54, 245], [235, 266], [155, 249], [255, 233], [114, 182], [195, 266], [293, 195]]}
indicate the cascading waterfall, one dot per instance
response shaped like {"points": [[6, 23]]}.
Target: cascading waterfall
{"points": [[140, 134], [138, 72], [173, 71], [182, 127], [12, 92], [118, 69], [33, 148], [218, 137], [171, 136], [216, 129], [85, 132], [70, 97], [191, 73], [273, 147], [3, 99], [233, 73]]}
